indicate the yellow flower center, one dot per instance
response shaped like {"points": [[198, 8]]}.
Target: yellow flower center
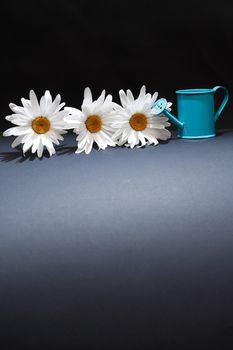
{"points": [[138, 121], [93, 123], [40, 125]]}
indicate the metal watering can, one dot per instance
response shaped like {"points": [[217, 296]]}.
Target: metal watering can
{"points": [[196, 116]]}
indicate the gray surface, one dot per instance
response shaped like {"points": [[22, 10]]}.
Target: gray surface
{"points": [[119, 249]]}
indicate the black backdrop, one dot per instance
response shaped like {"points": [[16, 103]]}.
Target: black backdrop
{"points": [[65, 45]]}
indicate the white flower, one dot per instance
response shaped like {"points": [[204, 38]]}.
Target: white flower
{"points": [[38, 124], [93, 122], [135, 122]]}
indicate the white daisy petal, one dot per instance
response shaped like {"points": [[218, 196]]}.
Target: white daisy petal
{"points": [[89, 147], [154, 97], [43, 105], [48, 144], [87, 110], [83, 141], [26, 104], [34, 103], [152, 139], [100, 141], [40, 149], [60, 106], [27, 145], [16, 131], [17, 141], [35, 144], [142, 93], [53, 107], [79, 150], [131, 136], [18, 109], [100, 99], [141, 138], [107, 138], [48, 97], [87, 96], [72, 110], [108, 101], [59, 116], [27, 137], [17, 117], [162, 134], [123, 98], [130, 96]]}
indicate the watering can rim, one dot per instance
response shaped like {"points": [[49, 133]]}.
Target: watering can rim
{"points": [[194, 91]]}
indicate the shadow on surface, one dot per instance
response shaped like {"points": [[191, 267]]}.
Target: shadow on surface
{"points": [[65, 150], [19, 157], [71, 149]]}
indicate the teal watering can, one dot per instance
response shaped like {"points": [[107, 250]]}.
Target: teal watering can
{"points": [[196, 115]]}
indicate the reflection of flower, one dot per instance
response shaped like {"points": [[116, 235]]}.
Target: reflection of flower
{"points": [[135, 122], [93, 122], [38, 124]]}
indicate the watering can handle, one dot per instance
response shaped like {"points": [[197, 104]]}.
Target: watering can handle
{"points": [[224, 102]]}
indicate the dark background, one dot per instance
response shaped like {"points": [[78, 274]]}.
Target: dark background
{"points": [[67, 45], [65, 288]]}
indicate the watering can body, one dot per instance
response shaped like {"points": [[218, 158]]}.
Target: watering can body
{"points": [[196, 112]]}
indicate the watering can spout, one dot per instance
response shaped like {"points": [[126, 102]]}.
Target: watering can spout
{"points": [[160, 108], [173, 119]]}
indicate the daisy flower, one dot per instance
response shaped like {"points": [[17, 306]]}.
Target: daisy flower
{"points": [[38, 124], [135, 122], [93, 122]]}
